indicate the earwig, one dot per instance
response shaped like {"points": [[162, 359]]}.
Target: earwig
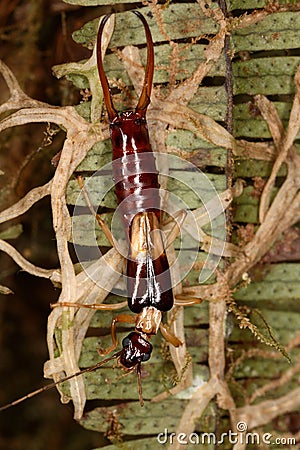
{"points": [[149, 288]]}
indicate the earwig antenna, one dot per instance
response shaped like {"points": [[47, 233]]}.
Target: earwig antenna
{"points": [[52, 385], [138, 372]]}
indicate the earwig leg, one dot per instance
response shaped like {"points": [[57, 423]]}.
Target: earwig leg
{"points": [[121, 318], [186, 301], [100, 221], [175, 227], [170, 337], [103, 307], [179, 215]]}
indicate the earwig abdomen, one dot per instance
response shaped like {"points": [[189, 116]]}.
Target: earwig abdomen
{"points": [[134, 169]]}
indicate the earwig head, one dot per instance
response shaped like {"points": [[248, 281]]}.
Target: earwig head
{"points": [[136, 350], [144, 99]]}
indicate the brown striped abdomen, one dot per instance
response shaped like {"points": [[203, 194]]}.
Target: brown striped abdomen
{"points": [[134, 169]]}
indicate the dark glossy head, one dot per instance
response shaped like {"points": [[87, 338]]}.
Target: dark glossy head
{"points": [[136, 350]]}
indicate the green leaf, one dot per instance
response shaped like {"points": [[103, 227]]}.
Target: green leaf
{"points": [[275, 32], [12, 232]]}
